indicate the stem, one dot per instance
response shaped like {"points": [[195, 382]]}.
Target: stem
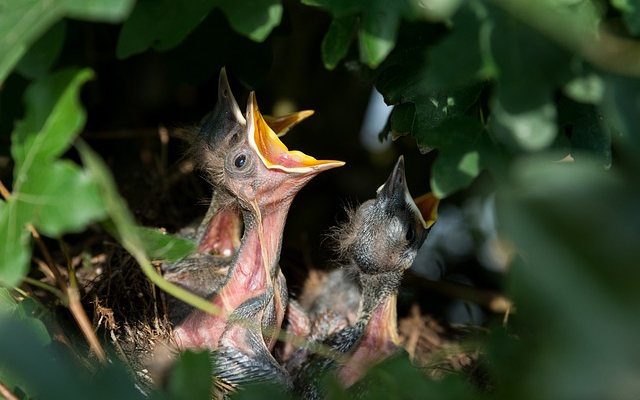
{"points": [[79, 314], [6, 393]]}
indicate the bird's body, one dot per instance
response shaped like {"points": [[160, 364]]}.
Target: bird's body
{"points": [[219, 233], [260, 177], [377, 243]]}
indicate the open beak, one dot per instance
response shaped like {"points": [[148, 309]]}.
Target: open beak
{"points": [[273, 153], [281, 125], [428, 206]]}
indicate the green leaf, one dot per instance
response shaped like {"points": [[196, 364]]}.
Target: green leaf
{"points": [[590, 137], [465, 149], [46, 371], [162, 246], [50, 190], [377, 34], [100, 10], [44, 52], [568, 220], [255, 19], [22, 22], [56, 196], [53, 118], [401, 119], [532, 130], [191, 377], [619, 106], [8, 304], [631, 13], [160, 24], [463, 56], [15, 249], [336, 42]]}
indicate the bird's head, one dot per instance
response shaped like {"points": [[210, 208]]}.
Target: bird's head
{"points": [[259, 169], [384, 234]]}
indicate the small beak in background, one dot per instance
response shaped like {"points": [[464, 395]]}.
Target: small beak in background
{"points": [[428, 206], [273, 153]]}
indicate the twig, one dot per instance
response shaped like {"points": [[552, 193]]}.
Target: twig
{"points": [[80, 315], [49, 288], [47, 256], [6, 393], [493, 301], [6, 194]]}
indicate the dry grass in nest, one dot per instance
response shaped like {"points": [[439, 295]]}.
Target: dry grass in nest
{"points": [[129, 313]]}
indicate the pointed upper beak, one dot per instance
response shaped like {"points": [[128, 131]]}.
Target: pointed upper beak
{"points": [[281, 125], [225, 118], [396, 191], [273, 153]]}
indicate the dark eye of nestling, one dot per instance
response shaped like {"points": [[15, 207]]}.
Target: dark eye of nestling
{"points": [[240, 161], [410, 234]]}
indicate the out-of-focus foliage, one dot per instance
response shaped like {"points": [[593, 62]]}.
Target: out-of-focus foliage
{"points": [[501, 86]]}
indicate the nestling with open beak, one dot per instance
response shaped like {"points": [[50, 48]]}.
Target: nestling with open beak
{"points": [[263, 176], [378, 243], [218, 235]]}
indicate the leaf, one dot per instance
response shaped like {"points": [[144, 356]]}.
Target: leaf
{"points": [[532, 130], [53, 118], [161, 246], [44, 188], [336, 42], [191, 377], [100, 10], [48, 192], [8, 304], [254, 20], [465, 149], [164, 24], [160, 24], [631, 13], [568, 220], [22, 22], [590, 137], [46, 371], [44, 52], [377, 33], [619, 106], [463, 56], [401, 120], [15, 248]]}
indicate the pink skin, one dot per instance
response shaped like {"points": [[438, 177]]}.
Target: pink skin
{"points": [[380, 340], [268, 194]]}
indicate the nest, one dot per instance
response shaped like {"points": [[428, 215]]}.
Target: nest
{"points": [[130, 316]]}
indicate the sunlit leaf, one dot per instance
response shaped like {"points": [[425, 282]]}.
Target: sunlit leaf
{"points": [[48, 192], [336, 42], [23, 21], [255, 20], [161, 246], [53, 118], [160, 24]]}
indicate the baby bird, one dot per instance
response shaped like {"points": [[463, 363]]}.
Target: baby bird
{"points": [[218, 235], [378, 243], [263, 177]]}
